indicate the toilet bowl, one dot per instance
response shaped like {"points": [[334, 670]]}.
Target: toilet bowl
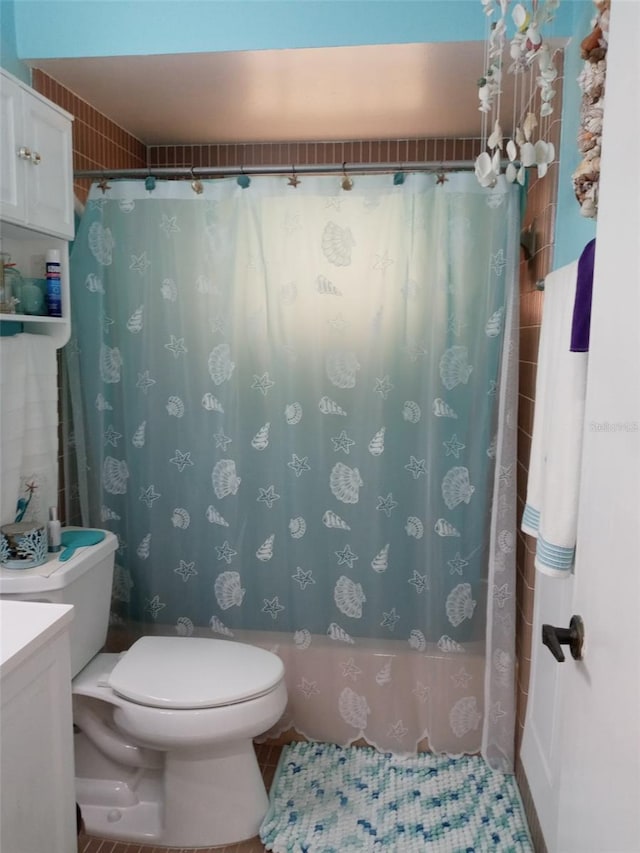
{"points": [[163, 743], [165, 752]]}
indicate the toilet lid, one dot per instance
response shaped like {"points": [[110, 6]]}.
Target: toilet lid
{"points": [[194, 672]]}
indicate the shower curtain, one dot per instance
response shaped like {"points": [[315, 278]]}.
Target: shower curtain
{"points": [[295, 406]]}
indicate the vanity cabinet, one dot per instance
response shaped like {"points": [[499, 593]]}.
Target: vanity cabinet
{"points": [[36, 195], [37, 806]]}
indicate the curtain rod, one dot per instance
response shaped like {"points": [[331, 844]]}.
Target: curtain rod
{"points": [[306, 169]]}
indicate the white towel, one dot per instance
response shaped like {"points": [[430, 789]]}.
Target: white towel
{"points": [[28, 425], [551, 511]]}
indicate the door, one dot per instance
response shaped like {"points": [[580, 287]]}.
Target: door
{"points": [[12, 205], [581, 747]]}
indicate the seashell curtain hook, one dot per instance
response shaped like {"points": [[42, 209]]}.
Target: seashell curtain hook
{"points": [[243, 180], [103, 184], [150, 182], [347, 182], [294, 180], [196, 184]]}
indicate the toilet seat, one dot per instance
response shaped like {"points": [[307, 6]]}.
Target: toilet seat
{"points": [[194, 672]]}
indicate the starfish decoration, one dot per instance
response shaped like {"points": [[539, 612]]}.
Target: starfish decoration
{"points": [[262, 383], [346, 557], [342, 442], [383, 386], [457, 564], [139, 263], [421, 691], [182, 460], [419, 581], [416, 466], [176, 345], [350, 670], [154, 606], [441, 179], [293, 181], [496, 712], [454, 446], [398, 730], [386, 505], [149, 495], [31, 487], [168, 224], [222, 440], [145, 381], [111, 436], [273, 607], [103, 184], [498, 262], [462, 678], [501, 594], [505, 474], [185, 570], [382, 261], [303, 578], [299, 465], [389, 619], [268, 496], [309, 688], [225, 552]]}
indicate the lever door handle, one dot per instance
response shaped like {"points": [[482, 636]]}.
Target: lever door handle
{"points": [[573, 636]]}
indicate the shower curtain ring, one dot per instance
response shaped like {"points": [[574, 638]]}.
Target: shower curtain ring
{"points": [[347, 183], [150, 182], [103, 184], [243, 180], [196, 184], [294, 180]]}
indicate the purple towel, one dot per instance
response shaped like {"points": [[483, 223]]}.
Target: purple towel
{"points": [[582, 305]]}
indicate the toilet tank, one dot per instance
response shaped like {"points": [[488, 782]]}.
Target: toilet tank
{"points": [[84, 580]]}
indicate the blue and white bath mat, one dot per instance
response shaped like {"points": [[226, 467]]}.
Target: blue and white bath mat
{"points": [[329, 799]]}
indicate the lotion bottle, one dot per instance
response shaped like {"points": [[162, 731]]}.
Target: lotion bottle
{"points": [[53, 530]]}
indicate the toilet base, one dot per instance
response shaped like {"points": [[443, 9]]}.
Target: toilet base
{"points": [[214, 797]]}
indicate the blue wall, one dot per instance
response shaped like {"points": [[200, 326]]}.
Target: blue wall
{"points": [[573, 231], [8, 51]]}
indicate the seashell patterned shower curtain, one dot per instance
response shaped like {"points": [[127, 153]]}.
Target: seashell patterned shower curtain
{"points": [[296, 409]]}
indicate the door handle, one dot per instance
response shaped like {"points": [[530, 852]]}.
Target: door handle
{"points": [[573, 636]]}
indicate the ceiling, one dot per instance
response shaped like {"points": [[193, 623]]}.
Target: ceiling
{"points": [[339, 93]]}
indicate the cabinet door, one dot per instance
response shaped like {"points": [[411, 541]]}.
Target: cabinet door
{"points": [[50, 170], [12, 201]]}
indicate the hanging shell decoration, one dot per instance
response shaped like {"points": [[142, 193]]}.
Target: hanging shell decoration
{"points": [[293, 413], [261, 439], [220, 364], [341, 369], [110, 364], [175, 407], [449, 646], [184, 626], [380, 562], [136, 321], [139, 435], [442, 409], [181, 518], [211, 403], [218, 627], [454, 367], [411, 412], [297, 527], [330, 519], [302, 639], [464, 716], [115, 474], [443, 528], [376, 445], [353, 708], [335, 632], [337, 244], [417, 640], [325, 287], [349, 597], [460, 605], [265, 551], [414, 527], [101, 243], [214, 517], [144, 548], [456, 487], [345, 483], [329, 407], [228, 590], [225, 479]]}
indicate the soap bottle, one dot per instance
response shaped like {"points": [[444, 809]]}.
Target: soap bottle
{"points": [[53, 530], [54, 284]]}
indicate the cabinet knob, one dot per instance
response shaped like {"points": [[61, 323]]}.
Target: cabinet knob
{"points": [[24, 153], [35, 158]]}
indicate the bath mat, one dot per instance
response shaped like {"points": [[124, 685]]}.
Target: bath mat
{"points": [[330, 799]]}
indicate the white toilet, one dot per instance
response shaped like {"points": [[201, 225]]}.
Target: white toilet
{"points": [[163, 752]]}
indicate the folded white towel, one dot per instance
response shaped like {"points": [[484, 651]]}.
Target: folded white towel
{"points": [[551, 511]]}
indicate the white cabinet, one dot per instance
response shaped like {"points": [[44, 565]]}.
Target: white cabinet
{"points": [[37, 807], [36, 177], [36, 194]]}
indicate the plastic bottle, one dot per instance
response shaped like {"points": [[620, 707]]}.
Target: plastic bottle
{"points": [[53, 530], [54, 284]]}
